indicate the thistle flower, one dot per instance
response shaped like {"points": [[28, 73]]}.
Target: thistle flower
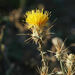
{"points": [[36, 18], [61, 51], [70, 64], [37, 22], [70, 60]]}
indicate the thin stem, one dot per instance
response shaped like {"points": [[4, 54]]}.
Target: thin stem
{"points": [[41, 52], [44, 68], [61, 64]]}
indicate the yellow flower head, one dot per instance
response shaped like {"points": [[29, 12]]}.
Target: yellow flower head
{"points": [[36, 18]]}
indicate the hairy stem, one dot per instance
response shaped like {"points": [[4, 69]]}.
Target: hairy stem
{"points": [[44, 68]]}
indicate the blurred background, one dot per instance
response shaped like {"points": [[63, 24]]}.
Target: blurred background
{"points": [[18, 57]]}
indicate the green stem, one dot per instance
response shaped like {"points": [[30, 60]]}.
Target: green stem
{"points": [[61, 64]]}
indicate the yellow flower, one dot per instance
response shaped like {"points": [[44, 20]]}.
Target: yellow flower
{"points": [[36, 18]]}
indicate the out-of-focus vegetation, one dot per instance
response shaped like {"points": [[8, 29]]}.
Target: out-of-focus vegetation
{"points": [[18, 57]]}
